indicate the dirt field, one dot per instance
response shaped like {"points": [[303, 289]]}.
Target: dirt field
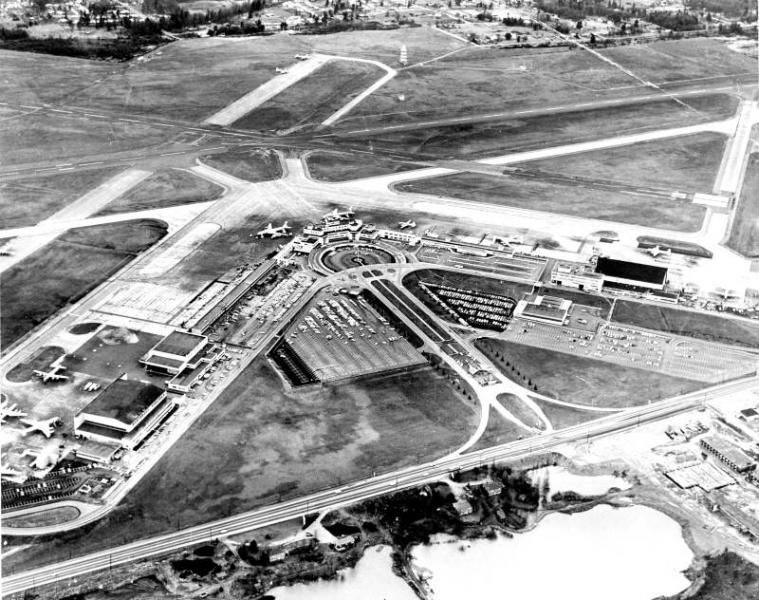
{"points": [[28, 201], [251, 165], [309, 101], [576, 201], [712, 327], [744, 237], [687, 163], [475, 80], [168, 187], [66, 269], [338, 166], [496, 137], [586, 381], [257, 444]]}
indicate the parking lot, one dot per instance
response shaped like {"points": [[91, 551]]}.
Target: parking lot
{"points": [[677, 357], [340, 336]]}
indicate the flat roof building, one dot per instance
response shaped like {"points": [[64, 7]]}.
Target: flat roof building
{"points": [[123, 413], [577, 275], [546, 309], [174, 353], [624, 273]]}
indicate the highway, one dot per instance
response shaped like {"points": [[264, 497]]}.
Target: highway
{"points": [[364, 489]]}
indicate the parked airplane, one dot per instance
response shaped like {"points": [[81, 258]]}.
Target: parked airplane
{"points": [[280, 70], [407, 224], [46, 428], [656, 251], [53, 374], [302, 56], [274, 232], [512, 239], [9, 411], [337, 214]]}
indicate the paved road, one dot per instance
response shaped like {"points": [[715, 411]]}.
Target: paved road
{"points": [[364, 489]]}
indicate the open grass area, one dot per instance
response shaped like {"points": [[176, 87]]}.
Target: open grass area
{"points": [[583, 380], [576, 201], [312, 99], [499, 136], [565, 416], [744, 236], [478, 80], [36, 78], [168, 187], [26, 202], [689, 163], [251, 165], [43, 136], [520, 410], [711, 327], [66, 269], [344, 166], [258, 444], [499, 431], [51, 516]]}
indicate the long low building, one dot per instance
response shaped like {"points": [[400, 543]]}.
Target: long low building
{"points": [[123, 413]]}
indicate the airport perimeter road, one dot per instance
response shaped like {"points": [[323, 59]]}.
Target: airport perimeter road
{"points": [[362, 490]]}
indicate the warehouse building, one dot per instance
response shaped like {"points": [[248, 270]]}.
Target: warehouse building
{"points": [[124, 413], [175, 353], [727, 453], [631, 275]]}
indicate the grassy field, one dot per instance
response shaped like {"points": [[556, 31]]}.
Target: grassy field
{"points": [[583, 380], [574, 201], [744, 236], [495, 137], [688, 163], [475, 80], [168, 187], [712, 327], [42, 519], [343, 166], [258, 444], [520, 410], [66, 269], [565, 416], [42, 136], [499, 431], [28, 201], [312, 99], [251, 165], [36, 78]]}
